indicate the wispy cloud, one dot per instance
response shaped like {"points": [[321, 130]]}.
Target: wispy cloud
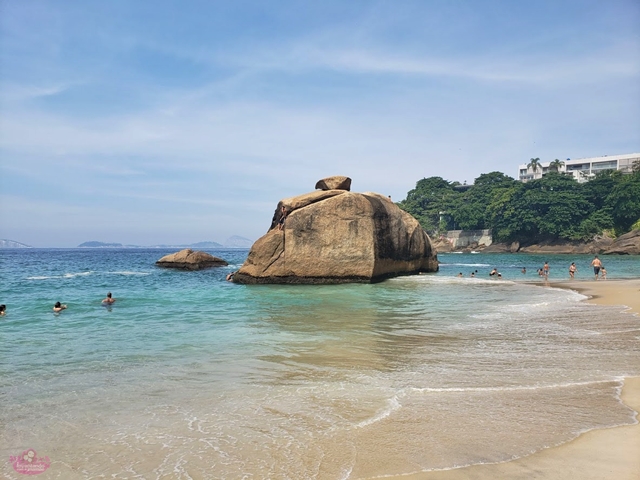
{"points": [[155, 118]]}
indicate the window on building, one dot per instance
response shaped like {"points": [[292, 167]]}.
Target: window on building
{"points": [[611, 164]]}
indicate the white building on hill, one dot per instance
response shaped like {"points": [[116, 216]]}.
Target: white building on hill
{"points": [[582, 169]]}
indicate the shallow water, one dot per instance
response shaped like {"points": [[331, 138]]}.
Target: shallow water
{"points": [[189, 376]]}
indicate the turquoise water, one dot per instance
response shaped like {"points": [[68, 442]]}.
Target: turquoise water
{"points": [[190, 376]]}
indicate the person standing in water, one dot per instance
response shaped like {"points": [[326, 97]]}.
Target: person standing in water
{"points": [[597, 265], [572, 269], [109, 300], [57, 308]]}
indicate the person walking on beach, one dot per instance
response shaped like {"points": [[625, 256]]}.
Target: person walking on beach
{"points": [[597, 265], [572, 269], [57, 308], [109, 300]]}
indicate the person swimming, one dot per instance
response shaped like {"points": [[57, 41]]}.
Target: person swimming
{"points": [[3, 310], [57, 308], [109, 300]]}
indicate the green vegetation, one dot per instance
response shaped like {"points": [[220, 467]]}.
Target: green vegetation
{"points": [[553, 207]]}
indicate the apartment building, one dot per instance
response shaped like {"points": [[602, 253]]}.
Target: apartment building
{"points": [[582, 169]]}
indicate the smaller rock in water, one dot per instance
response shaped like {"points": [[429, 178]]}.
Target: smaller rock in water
{"points": [[337, 182], [189, 260]]}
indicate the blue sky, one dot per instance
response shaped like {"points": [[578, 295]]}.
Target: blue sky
{"points": [[154, 122]]}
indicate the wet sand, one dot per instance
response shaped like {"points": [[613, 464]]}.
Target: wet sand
{"points": [[595, 455]]}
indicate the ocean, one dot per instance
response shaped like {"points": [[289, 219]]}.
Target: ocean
{"points": [[188, 376]]}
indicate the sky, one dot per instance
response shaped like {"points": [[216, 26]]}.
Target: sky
{"points": [[174, 122]]}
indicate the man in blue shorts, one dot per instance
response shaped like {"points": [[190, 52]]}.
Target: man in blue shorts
{"points": [[597, 265]]}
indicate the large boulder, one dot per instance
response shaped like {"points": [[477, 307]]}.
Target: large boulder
{"points": [[337, 236], [627, 244], [337, 182], [187, 259]]}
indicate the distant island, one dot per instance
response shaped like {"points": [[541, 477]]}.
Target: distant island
{"points": [[4, 243], [232, 242]]}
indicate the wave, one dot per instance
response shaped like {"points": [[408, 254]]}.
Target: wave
{"points": [[465, 264], [466, 279], [125, 272], [66, 275], [392, 406], [84, 274], [79, 274], [516, 388]]}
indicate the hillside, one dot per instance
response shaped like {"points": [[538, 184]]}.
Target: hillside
{"points": [[4, 243]]}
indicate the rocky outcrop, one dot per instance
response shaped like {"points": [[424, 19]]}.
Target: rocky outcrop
{"points": [[442, 245], [596, 246], [497, 248], [627, 244], [334, 183], [336, 236], [189, 260]]}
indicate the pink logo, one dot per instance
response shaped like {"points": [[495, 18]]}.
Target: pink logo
{"points": [[29, 464]]}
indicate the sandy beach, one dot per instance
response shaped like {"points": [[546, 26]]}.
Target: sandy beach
{"points": [[595, 455]]}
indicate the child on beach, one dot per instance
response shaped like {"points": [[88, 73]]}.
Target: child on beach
{"points": [[603, 272]]}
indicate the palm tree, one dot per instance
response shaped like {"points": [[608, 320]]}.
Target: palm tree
{"points": [[534, 164], [555, 165]]}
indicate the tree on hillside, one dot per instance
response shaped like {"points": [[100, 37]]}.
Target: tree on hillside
{"points": [[430, 197], [624, 201], [635, 166], [473, 212], [534, 164], [600, 186], [549, 208], [553, 207], [556, 165]]}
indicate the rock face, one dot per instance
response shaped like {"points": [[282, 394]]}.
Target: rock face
{"points": [[627, 244], [189, 260], [336, 236], [334, 183]]}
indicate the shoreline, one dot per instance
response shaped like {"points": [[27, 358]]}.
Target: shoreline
{"points": [[594, 455]]}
